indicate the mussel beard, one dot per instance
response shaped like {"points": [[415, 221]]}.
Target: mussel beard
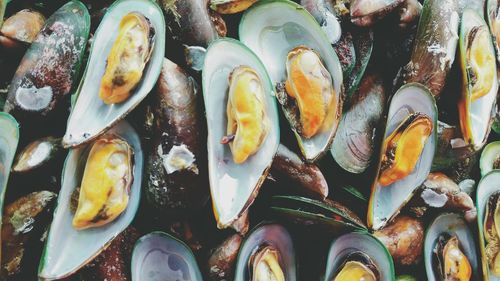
{"points": [[127, 59], [247, 121], [449, 261], [481, 64], [403, 147], [357, 266], [311, 98], [265, 265], [105, 187], [491, 231]]}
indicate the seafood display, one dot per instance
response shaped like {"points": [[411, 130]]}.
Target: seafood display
{"points": [[262, 140]]}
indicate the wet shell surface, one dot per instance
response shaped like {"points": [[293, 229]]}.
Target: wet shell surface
{"points": [[90, 116], [160, 256], [273, 29], [234, 186], [68, 249], [387, 198], [270, 236], [488, 186], [451, 225], [359, 243]]}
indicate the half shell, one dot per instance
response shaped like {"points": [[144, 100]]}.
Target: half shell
{"points": [[9, 138], [453, 225], [386, 201], [489, 185], [90, 116], [272, 29], [273, 236], [68, 249], [234, 186], [364, 243], [490, 158], [159, 256]]}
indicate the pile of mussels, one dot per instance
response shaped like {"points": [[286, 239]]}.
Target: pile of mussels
{"points": [[262, 140]]}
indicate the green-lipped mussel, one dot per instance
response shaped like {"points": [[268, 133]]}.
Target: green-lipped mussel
{"points": [[267, 254], [304, 68], [69, 245], [479, 79], [449, 250], [487, 195], [358, 256], [490, 158], [234, 78], [406, 153], [120, 65]]}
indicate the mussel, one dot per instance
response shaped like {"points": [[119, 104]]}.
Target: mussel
{"points": [[104, 191], [159, 256], [493, 19], [479, 79], [487, 200], [21, 28], [406, 154], [233, 79], [358, 256], [231, 6], [67, 249], [9, 138], [490, 158], [49, 69], [449, 250], [267, 254], [367, 12], [90, 116], [303, 67], [37, 154], [127, 58]]}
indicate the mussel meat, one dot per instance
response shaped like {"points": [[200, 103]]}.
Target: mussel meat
{"points": [[451, 262], [104, 192], [491, 233], [310, 86], [230, 6], [358, 266], [264, 265], [403, 147], [127, 59], [247, 121]]}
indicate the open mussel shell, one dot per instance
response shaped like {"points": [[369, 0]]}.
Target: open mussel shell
{"points": [[493, 18], [364, 244], [490, 158], [386, 201], [9, 138], [328, 215], [274, 237], [449, 225], [479, 79], [488, 186], [272, 29], [160, 256], [234, 186], [68, 249], [90, 116]]}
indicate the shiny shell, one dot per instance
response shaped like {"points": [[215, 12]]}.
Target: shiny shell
{"points": [[490, 158], [68, 249], [479, 79], [90, 116], [234, 186], [272, 29], [386, 201], [449, 225], [351, 243], [275, 237], [488, 186], [160, 256]]}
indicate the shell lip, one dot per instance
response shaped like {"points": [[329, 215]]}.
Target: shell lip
{"points": [[123, 131], [334, 68], [372, 221], [253, 237], [331, 260], [273, 135], [73, 140], [481, 207]]}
